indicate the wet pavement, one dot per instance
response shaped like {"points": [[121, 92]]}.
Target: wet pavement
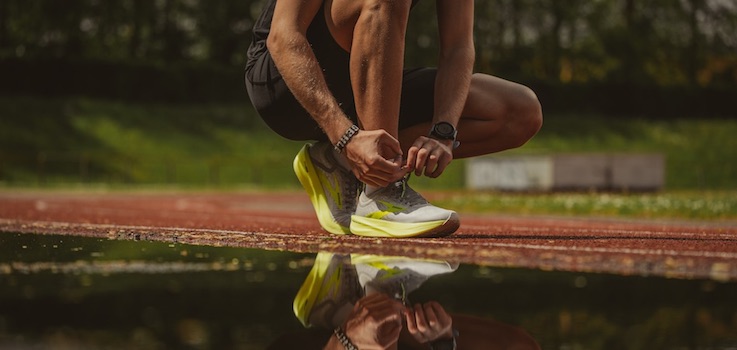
{"points": [[285, 221], [69, 292], [215, 271]]}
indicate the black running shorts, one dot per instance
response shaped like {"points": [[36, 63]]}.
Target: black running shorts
{"points": [[282, 112]]}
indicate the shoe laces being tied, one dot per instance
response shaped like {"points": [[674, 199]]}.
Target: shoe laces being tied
{"points": [[398, 283], [405, 194]]}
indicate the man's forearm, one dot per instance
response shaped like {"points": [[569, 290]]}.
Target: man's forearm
{"points": [[452, 84], [302, 73]]}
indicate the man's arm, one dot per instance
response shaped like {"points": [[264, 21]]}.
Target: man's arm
{"points": [[455, 63], [298, 65], [302, 73], [452, 83]]}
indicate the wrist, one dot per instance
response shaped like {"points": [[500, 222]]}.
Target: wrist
{"points": [[447, 342], [343, 339], [347, 136]]}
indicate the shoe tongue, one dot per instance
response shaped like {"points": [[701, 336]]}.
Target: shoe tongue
{"points": [[407, 194]]}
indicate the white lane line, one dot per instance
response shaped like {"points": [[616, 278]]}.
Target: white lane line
{"points": [[538, 247], [688, 233], [628, 251]]}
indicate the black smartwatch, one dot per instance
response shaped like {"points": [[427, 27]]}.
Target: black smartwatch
{"points": [[445, 344], [443, 131]]}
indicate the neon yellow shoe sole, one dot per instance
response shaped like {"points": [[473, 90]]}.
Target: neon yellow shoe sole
{"points": [[370, 227], [309, 292], [309, 178]]}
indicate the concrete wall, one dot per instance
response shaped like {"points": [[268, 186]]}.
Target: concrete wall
{"points": [[567, 172]]}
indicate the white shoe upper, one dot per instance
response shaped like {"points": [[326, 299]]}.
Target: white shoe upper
{"points": [[399, 203]]}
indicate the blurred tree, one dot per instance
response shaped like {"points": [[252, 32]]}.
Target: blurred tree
{"points": [[4, 9], [655, 42], [224, 25]]}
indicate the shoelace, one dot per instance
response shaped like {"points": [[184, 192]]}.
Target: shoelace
{"points": [[394, 285], [406, 194]]}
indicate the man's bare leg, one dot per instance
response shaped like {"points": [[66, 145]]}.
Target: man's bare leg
{"points": [[373, 31], [498, 115]]}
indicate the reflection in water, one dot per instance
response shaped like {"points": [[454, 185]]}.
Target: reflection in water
{"points": [[62, 292], [365, 301]]}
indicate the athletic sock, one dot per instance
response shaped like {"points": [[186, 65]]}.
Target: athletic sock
{"points": [[371, 189]]}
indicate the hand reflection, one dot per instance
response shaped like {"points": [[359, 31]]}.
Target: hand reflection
{"points": [[364, 299], [375, 323], [428, 322]]}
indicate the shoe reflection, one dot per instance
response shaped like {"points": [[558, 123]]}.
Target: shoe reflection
{"points": [[362, 301]]}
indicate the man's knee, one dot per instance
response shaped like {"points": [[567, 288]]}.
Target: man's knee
{"points": [[347, 14], [520, 111], [529, 115], [399, 5], [388, 9]]}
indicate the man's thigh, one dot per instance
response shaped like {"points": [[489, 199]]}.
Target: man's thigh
{"points": [[275, 103], [418, 97]]}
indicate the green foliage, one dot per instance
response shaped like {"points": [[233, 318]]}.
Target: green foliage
{"points": [[67, 141], [139, 81], [703, 205], [662, 43], [115, 143]]}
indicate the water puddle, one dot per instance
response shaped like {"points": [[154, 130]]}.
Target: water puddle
{"points": [[64, 292]]}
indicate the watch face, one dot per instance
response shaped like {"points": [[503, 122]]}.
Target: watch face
{"points": [[444, 130]]}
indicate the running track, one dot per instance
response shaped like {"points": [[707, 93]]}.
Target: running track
{"points": [[285, 221]]}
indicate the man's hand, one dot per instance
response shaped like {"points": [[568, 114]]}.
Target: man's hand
{"points": [[375, 322], [375, 157], [428, 322], [429, 156]]}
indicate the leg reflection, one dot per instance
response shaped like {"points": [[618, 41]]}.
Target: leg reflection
{"points": [[364, 300]]}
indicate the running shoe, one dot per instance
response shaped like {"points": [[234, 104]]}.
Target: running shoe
{"points": [[332, 189], [398, 211], [396, 276], [329, 292]]}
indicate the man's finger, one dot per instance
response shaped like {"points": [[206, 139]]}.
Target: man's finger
{"points": [[442, 316], [392, 143], [430, 317], [420, 319], [409, 316], [384, 165], [411, 157], [422, 155], [442, 164], [431, 165]]}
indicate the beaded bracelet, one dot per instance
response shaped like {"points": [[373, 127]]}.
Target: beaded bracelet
{"points": [[343, 339], [352, 131]]}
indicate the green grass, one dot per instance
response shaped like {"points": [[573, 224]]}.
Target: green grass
{"points": [[63, 142], [76, 142], [697, 205]]}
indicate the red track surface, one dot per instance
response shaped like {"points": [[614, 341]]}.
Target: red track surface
{"points": [[285, 221]]}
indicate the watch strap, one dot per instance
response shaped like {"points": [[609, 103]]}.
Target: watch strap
{"points": [[445, 344]]}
